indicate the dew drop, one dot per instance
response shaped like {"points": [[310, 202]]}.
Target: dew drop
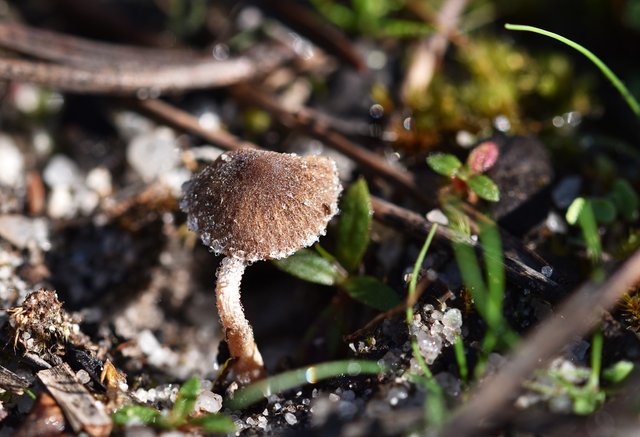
{"points": [[376, 111]]}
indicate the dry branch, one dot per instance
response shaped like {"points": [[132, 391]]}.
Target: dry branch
{"points": [[82, 411]]}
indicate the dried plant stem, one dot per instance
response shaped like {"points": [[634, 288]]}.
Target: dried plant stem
{"points": [[574, 318], [238, 332], [182, 120], [155, 79], [430, 50], [72, 50]]}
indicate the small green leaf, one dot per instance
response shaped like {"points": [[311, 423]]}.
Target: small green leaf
{"points": [[587, 402], [138, 413], [603, 209], [185, 403], [370, 291], [309, 266], [354, 226], [216, 423], [484, 187], [580, 212], [574, 210], [618, 372], [625, 199], [444, 163]]}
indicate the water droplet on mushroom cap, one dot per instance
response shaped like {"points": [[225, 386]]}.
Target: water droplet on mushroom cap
{"points": [[274, 203]]}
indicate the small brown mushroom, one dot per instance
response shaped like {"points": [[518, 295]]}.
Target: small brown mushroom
{"points": [[253, 205]]}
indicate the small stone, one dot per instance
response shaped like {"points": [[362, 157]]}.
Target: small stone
{"points": [[61, 172], [61, 203], [22, 231], [290, 418], [99, 180], [153, 154], [11, 164], [83, 376], [566, 191], [208, 402]]}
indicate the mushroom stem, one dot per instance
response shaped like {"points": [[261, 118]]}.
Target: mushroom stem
{"points": [[238, 332]]}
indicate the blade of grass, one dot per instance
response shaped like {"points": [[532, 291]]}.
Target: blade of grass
{"points": [[294, 378], [461, 359], [615, 81], [435, 408]]}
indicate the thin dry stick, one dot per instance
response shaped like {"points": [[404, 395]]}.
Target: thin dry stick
{"points": [[157, 79], [515, 256], [182, 120], [308, 120], [575, 317], [67, 49], [430, 50], [303, 20]]}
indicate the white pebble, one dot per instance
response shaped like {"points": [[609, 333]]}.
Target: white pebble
{"points": [[61, 203], [153, 154], [290, 418], [209, 402], [11, 164], [99, 180], [61, 172]]}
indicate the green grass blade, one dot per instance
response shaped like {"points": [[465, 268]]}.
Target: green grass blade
{"points": [[435, 406], [294, 378], [615, 81]]}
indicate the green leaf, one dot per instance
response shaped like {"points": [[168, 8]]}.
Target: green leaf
{"points": [[259, 390], [484, 187], [216, 423], [354, 226], [311, 267], [618, 372], [444, 163], [625, 199], [138, 413], [603, 209], [185, 403], [574, 210], [370, 291], [581, 212], [587, 402]]}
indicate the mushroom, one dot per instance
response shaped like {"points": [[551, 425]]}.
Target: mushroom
{"points": [[253, 205]]}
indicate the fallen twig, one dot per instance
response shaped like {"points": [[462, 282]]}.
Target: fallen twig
{"points": [[431, 49], [80, 408]]}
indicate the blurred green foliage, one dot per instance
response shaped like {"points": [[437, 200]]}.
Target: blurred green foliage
{"points": [[378, 18], [179, 416]]}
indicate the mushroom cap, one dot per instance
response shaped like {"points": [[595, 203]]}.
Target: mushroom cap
{"points": [[257, 205]]}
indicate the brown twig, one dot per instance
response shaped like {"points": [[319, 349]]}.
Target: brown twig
{"points": [[182, 120], [86, 66], [320, 32], [431, 49], [579, 314], [71, 50], [521, 265]]}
